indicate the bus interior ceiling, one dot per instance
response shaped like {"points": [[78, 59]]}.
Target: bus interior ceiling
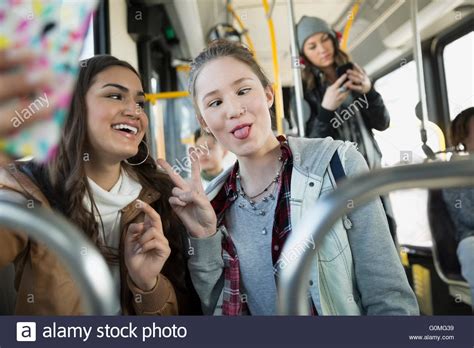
{"points": [[380, 37]]}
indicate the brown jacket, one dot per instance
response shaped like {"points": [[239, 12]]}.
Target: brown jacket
{"points": [[44, 287]]}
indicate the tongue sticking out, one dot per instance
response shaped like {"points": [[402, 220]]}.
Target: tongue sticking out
{"points": [[242, 133]]}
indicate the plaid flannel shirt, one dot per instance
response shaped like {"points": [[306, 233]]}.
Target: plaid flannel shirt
{"points": [[232, 303]]}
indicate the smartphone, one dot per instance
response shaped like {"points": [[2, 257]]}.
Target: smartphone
{"points": [[341, 70], [55, 31]]}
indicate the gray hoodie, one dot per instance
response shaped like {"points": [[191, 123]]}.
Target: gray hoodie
{"points": [[357, 270]]}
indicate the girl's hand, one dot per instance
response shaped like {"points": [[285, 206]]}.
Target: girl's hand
{"points": [[336, 94], [17, 90], [146, 248], [190, 202], [359, 81], [16, 86]]}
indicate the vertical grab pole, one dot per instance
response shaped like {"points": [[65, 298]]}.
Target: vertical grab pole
{"points": [[245, 31], [295, 65], [350, 22], [276, 70], [419, 67]]}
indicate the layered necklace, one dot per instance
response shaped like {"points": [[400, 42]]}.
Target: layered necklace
{"points": [[275, 181]]}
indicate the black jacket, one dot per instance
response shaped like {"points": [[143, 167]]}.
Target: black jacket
{"points": [[323, 123], [346, 122]]}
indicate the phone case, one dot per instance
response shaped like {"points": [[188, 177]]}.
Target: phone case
{"points": [[55, 30], [341, 70]]}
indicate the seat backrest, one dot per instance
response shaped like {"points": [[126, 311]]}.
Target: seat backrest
{"points": [[443, 233], [7, 290]]}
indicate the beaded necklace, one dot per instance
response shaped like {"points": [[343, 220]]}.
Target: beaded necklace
{"points": [[274, 181]]}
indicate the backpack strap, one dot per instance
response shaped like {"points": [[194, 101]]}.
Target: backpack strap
{"points": [[336, 167], [337, 173]]}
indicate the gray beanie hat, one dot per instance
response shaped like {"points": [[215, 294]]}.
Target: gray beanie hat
{"points": [[307, 26]]}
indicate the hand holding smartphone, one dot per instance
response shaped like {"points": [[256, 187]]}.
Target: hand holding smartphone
{"points": [[54, 31], [341, 70]]}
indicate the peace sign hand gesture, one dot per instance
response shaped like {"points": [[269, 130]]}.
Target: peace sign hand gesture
{"points": [[189, 200]]}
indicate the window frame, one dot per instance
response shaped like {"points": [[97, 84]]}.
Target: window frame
{"points": [[438, 45], [102, 29]]}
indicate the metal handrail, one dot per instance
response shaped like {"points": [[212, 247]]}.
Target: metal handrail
{"points": [[359, 190], [440, 271], [418, 55], [295, 65], [154, 97], [86, 264]]}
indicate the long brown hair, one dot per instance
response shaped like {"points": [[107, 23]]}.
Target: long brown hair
{"points": [[66, 175], [310, 71], [64, 182]]}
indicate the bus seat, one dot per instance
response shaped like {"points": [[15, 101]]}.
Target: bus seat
{"points": [[443, 233], [7, 290], [7, 274]]}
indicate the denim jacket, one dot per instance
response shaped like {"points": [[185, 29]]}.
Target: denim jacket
{"points": [[357, 270]]}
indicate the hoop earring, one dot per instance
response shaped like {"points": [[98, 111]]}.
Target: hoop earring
{"points": [[147, 155]]}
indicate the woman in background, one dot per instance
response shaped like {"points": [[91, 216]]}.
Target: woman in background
{"points": [[460, 200], [344, 108]]}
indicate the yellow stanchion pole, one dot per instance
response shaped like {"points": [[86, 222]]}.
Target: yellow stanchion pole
{"points": [[350, 21], [276, 71], [244, 29], [153, 97]]}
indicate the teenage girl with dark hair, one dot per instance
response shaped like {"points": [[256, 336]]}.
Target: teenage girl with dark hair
{"points": [[343, 107], [105, 182], [330, 95]]}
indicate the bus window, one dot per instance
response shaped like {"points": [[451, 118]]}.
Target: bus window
{"points": [[458, 67], [88, 48], [401, 143]]}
